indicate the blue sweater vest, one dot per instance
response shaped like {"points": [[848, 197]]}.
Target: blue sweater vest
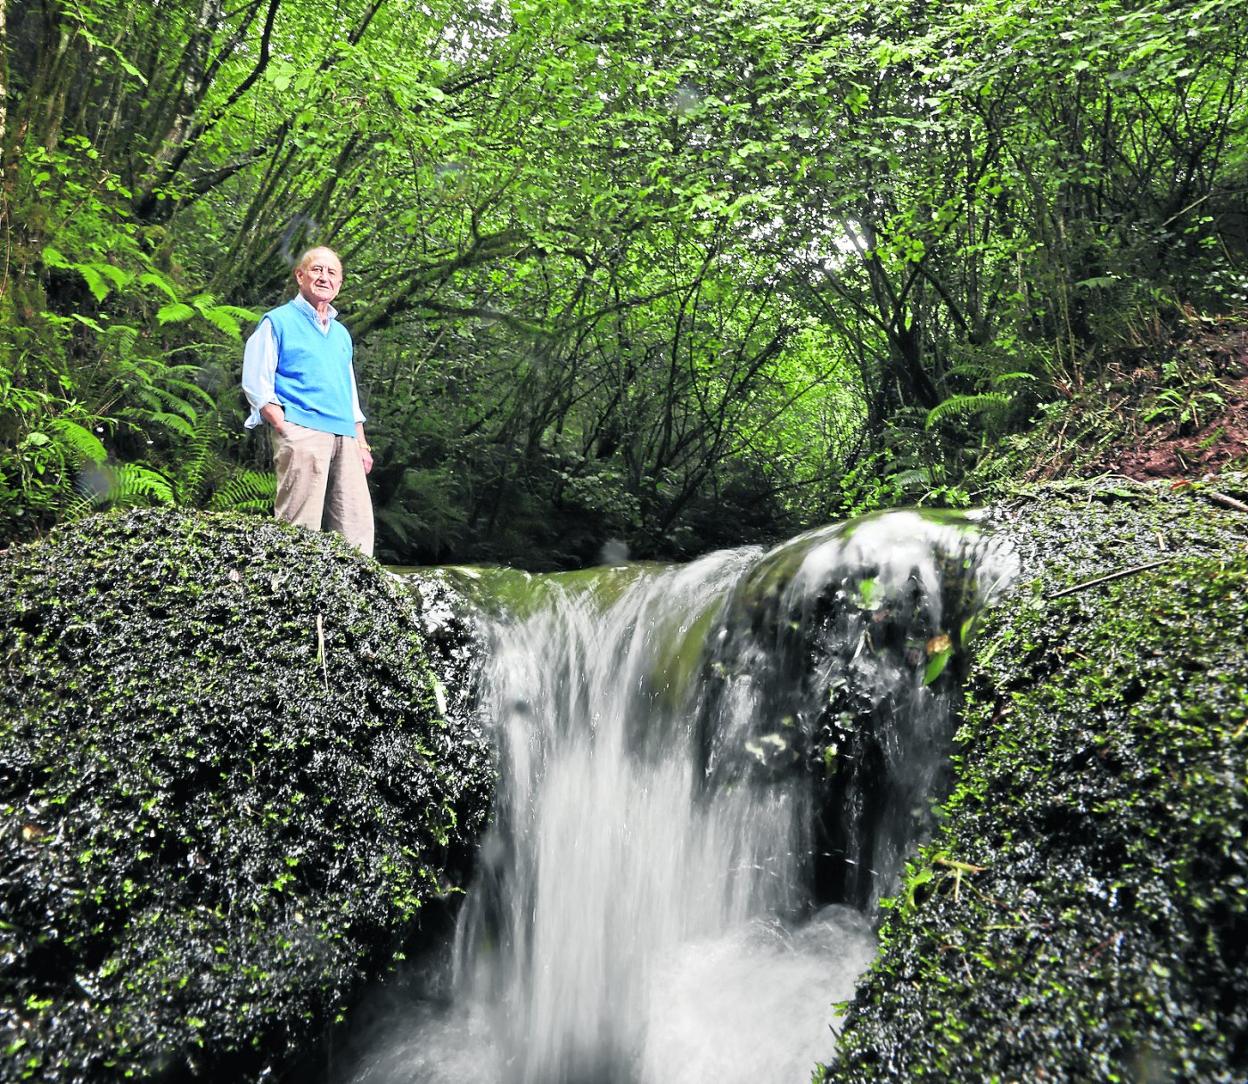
{"points": [[313, 379]]}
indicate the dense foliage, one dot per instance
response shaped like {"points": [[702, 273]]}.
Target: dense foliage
{"points": [[1083, 913], [228, 789], [668, 272]]}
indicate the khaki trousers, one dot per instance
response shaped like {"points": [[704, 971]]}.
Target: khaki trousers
{"points": [[321, 479]]}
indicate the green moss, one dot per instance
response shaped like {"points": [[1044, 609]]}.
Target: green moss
{"points": [[1083, 912], [225, 792]]}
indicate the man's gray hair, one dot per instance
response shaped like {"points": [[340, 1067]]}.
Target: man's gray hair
{"points": [[306, 258]]}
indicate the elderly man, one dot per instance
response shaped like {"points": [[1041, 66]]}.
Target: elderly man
{"points": [[298, 378]]}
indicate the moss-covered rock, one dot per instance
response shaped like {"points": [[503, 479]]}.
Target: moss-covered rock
{"points": [[226, 789], [1083, 913]]}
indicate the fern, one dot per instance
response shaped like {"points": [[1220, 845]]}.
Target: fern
{"points": [[174, 313], [963, 406], [192, 390], [153, 278], [135, 484], [1002, 379], [119, 485], [396, 522], [175, 423], [84, 445], [221, 320], [246, 491], [198, 457], [916, 476], [974, 370], [84, 502], [119, 277]]}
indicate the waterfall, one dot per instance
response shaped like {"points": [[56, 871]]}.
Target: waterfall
{"points": [[708, 775]]}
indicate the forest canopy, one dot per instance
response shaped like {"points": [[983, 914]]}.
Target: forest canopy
{"points": [[679, 274]]}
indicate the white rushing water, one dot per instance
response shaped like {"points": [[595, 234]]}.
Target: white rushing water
{"points": [[641, 916]]}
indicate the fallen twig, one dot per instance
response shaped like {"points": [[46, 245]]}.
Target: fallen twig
{"points": [[320, 650], [1222, 498], [1112, 576], [959, 868]]}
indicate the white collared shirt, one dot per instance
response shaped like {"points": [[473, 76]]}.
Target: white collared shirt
{"points": [[260, 365]]}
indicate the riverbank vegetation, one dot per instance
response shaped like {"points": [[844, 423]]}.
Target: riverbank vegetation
{"points": [[1081, 912], [678, 275]]}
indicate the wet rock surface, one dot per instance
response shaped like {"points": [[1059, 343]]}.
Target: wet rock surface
{"points": [[229, 781], [854, 676], [1082, 914]]}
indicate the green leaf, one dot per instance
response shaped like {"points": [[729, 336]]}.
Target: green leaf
{"points": [[86, 321], [222, 320], [133, 480], [936, 665], [84, 443], [119, 277], [961, 406], [95, 281], [152, 278], [174, 422], [174, 313], [968, 628], [240, 313], [247, 491]]}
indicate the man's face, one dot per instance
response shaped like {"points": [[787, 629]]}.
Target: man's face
{"points": [[320, 278]]}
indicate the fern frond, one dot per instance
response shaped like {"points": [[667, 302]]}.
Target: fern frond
{"points": [[153, 278], [907, 478], [972, 369], [175, 403], [121, 337], [84, 444], [963, 406], [1011, 378], [193, 391], [246, 491], [250, 315], [396, 522], [82, 504], [174, 423], [135, 484], [189, 482], [174, 313], [122, 485]]}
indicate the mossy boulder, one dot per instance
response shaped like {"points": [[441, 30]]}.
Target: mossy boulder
{"points": [[1083, 912], [227, 788]]}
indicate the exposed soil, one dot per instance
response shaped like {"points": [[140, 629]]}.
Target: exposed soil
{"points": [[1195, 423]]}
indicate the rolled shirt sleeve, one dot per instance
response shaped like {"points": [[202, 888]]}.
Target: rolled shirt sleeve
{"points": [[260, 371]]}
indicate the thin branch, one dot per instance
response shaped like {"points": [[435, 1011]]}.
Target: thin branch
{"points": [[1112, 576], [1223, 499]]}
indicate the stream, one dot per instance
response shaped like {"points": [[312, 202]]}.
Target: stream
{"points": [[709, 775]]}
